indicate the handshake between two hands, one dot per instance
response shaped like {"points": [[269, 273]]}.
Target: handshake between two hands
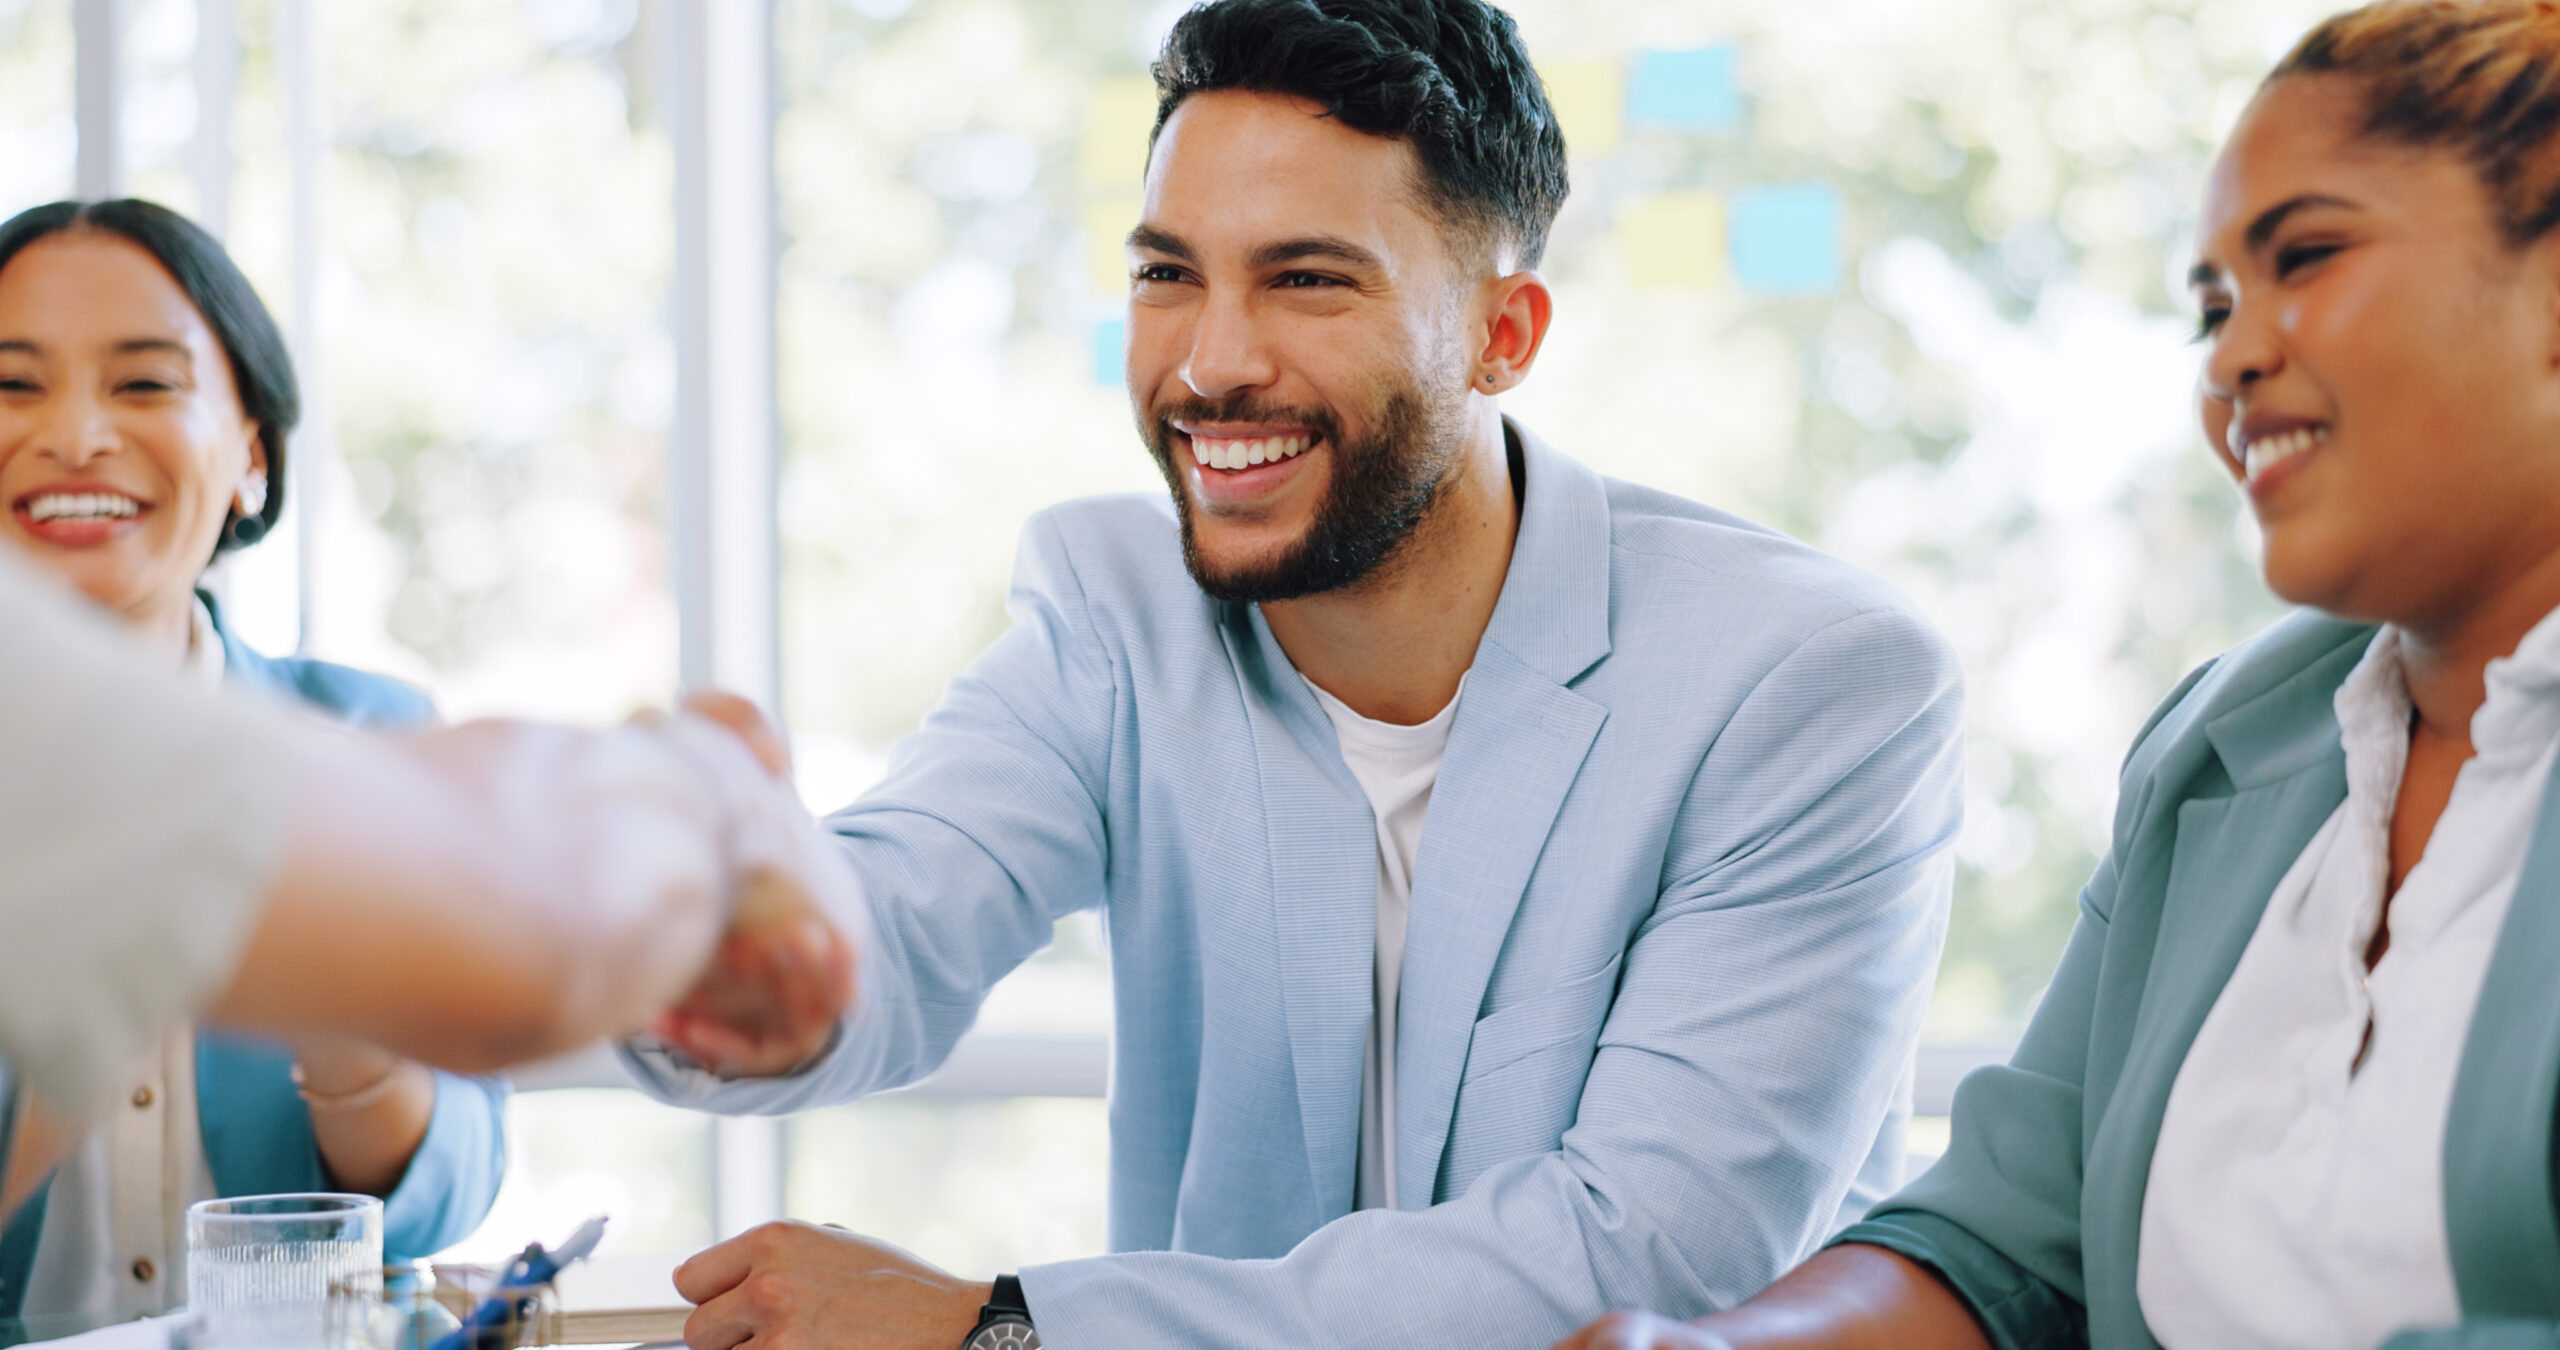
{"points": [[782, 974]]}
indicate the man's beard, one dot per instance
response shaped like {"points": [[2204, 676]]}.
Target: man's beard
{"points": [[1381, 489]]}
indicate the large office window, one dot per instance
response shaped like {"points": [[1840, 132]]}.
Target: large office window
{"points": [[37, 139], [1900, 279]]}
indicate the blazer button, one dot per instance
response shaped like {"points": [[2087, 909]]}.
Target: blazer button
{"points": [[141, 1100], [143, 1270]]}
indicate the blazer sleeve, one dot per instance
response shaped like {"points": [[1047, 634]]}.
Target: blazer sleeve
{"points": [[454, 1176], [2481, 1333], [1764, 1015], [988, 828], [1998, 1217]]}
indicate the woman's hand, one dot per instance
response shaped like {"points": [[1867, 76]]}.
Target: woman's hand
{"points": [[340, 1066], [782, 976], [1641, 1331], [1849, 1297], [369, 1109]]}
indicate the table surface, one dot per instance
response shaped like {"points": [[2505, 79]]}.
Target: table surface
{"points": [[631, 1287]]}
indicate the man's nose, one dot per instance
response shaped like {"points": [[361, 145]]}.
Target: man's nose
{"points": [[1229, 354]]}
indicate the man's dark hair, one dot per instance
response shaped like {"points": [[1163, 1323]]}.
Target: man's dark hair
{"points": [[1447, 76], [261, 367]]}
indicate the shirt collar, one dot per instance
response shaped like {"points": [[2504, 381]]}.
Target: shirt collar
{"points": [[2522, 712], [1554, 610], [2519, 717]]}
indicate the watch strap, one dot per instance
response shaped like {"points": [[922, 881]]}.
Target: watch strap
{"points": [[1005, 1320]]}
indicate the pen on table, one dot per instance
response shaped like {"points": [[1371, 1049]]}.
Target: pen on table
{"points": [[533, 1268]]}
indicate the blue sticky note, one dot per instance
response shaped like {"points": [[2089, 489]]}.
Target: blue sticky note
{"points": [[1786, 239], [1690, 90], [1110, 350]]}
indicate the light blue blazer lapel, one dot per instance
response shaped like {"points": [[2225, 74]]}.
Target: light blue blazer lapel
{"points": [[1519, 740], [2498, 1138], [2280, 749], [1324, 900]]}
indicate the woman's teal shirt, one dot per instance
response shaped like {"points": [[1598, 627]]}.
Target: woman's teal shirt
{"points": [[2035, 1213]]}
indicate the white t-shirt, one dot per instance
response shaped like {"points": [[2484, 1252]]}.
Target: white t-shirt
{"points": [[2296, 1196], [1396, 766]]}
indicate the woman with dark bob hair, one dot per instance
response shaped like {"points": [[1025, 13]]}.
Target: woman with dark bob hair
{"points": [[145, 401], [2295, 1081]]}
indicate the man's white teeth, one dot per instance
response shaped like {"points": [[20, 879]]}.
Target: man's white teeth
{"points": [[1244, 453], [2268, 451], [82, 506]]}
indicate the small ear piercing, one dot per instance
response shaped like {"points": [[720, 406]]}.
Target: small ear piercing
{"points": [[252, 497]]}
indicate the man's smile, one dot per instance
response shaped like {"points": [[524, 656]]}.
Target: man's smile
{"points": [[1245, 465], [1244, 452]]}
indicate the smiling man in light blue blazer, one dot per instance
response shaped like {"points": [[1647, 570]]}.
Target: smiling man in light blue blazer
{"points": [[1522, 887]]}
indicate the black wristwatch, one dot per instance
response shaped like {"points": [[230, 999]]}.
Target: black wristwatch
{"points": [[1005, 1323]]}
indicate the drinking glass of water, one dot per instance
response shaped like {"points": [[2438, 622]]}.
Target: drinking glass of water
{"points": [[262, 1270]]}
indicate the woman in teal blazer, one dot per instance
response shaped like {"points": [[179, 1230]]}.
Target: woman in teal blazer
{"points": [[2379, 271], [145, 398]]}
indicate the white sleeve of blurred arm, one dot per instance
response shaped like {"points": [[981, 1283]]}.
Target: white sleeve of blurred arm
{"points": [[142, 819]]}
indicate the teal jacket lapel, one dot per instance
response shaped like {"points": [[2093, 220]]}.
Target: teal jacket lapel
{"points": [[257, 1132], [2498, 1139], [2277, 748], [1519, 741]]}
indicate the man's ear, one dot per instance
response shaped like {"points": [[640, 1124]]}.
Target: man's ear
{"points": [[1517, 310]]}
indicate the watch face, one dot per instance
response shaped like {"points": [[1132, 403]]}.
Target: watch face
{"points": [[1005, 1333]]}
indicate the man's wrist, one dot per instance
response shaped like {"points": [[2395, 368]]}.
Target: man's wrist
{"points": [[1003, 1319]]}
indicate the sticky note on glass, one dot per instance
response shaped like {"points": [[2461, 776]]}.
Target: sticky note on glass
{"points": [[1106, 244], [1110, 351], [1675, 239], [1590, 99], [1787, 239], [1112, 150], [1690, 90]]}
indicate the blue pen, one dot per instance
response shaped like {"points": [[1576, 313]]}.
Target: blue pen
{"points": [[517, 1284]]}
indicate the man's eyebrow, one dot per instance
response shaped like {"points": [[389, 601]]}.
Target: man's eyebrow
{"points": [[1314, 246], [1154, 240], [20, 347]]}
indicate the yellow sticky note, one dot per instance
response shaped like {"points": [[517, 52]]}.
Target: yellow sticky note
{"points": [[1106, 244], [1118, 114], [1590, 99], [1676, 239]]}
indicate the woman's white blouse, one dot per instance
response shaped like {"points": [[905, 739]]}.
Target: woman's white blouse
{"points": [[2296, 1199], [114, 1238]]}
